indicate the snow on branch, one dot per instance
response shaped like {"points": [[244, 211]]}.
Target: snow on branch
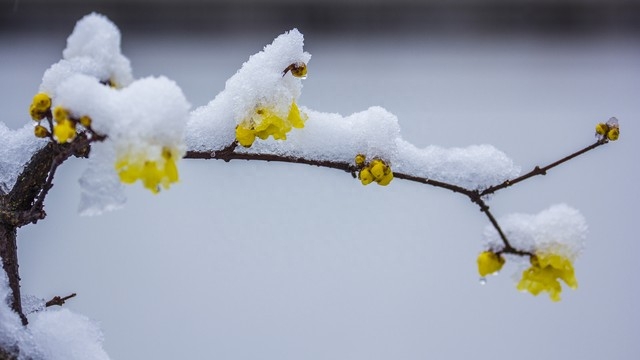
{"points": [[89, 104]]}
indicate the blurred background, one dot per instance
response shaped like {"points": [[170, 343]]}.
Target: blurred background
{"points": [[251, 260], [337, 15]]}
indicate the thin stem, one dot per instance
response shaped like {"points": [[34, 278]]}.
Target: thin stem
{"points": [[227, 154], [541, 170], [59, 301]]}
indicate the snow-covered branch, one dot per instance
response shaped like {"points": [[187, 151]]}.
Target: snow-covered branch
{"points": [[89, 105]]}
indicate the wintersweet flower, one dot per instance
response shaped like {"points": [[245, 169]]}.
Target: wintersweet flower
{"points": [[64, 131], [152, 173], [40, 131], [544, 273], [489, 263], [377, 170], [266, 122], [298, 70], [40, 104], [609, 130]]}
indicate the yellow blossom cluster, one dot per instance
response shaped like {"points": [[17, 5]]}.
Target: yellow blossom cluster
{"points": [[64, 126], [609, 130], [266, 122], [153, 174], [543, 275], [39, 109], [489, 263], [376, 170]]}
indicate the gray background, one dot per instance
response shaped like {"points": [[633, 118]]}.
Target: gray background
{"points": [[249, 260]]}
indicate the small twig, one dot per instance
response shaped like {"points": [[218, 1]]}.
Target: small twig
{"points": [[227, 154], [59, 301], [541, 170]]}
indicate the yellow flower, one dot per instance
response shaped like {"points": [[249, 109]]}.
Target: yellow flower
{"points": [[245, 136], [85, 121], [544, 273], [609, 131], [40, 131], [64, 131], [489, 263], [386, 179], [377, 170], [40, 104], [365, 176], [152, 174], [377, 167], [602, 129], [298, 70], [265, 122], [60, 114]]}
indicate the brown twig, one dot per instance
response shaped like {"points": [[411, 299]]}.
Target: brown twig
{"points": [[24, 204], [542, 170], [59, 301], [476, 196]]}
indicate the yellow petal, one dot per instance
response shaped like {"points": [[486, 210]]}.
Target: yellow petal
{"points": [[365, 176], [489, 263], [295, 117], [245, 136]]}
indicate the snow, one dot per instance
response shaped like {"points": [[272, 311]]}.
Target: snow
{"points": [[102, 190], [62, 334], [141, 119], [51, 334], [374, 132], [16, 148], [259, 82], [93, 48], [559, 229]]}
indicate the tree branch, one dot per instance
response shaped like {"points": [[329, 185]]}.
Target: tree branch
{"points": [[476, 196], [59, 301], [24, 204], [542, 170]]}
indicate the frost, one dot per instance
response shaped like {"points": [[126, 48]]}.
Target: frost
{"points": [[16, 149], [50, 335], [559, 229], [260, 82]]}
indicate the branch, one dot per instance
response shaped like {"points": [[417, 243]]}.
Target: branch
{"points": [[24, 204], [59, 301], [542, 170], [476, 196]]}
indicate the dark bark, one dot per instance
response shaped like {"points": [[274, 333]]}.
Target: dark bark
{"points": [[9, 253], [16, 209]]}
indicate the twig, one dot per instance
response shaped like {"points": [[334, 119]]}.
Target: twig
{"points": [[542, 170], [59, 301], [227, 154], [24, 204]]}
